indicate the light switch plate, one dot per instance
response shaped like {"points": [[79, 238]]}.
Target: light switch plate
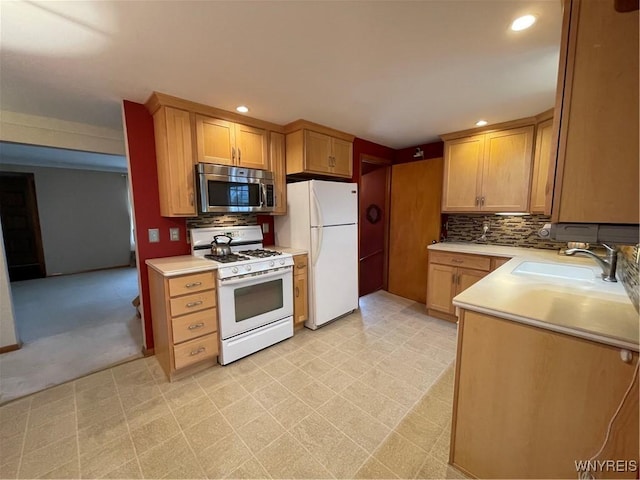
{"points": [[174, 234], [265, 228], [154, 235]]}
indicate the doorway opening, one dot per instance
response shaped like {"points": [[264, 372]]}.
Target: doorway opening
{"points": [[67, 235], [374, 207]]}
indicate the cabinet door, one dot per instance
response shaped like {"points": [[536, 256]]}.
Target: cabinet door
{"points": [[465, 278], [251, 147], [215, 140], [506, 171], [174, 156], [300, 306], [462, 174], [278, 167], [342, 158], [541, 166], [317, 152], [440, 287]]}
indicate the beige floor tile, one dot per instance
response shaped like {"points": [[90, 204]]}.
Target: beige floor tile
{"points": [[94, 380], [295, 380], [316, 367], [138, 377], [126, 471], [299, 357], [133, 395], [68, 470], [374, 469], [48, 458], [337, 380], [419, 430], [255, 380], [436, 410], [379, 406], [99, 412], [354, 367], [265, 356], [242, 411], [145, 412], [194, 411], [52, 394], [15, 408], [227, 394], [99, 434], [354, 422], [11, 447], [334, 357], [171, 455], [434, 468], [154, 433], [224, 456], [207, 432], [286, 458], [315, 394], [249, 470], [129, 368], [400, 456], [87, 399], [187, 471], [442, 390], [271, 395], [9, 469], [260, 432], [12, 426], [44, 414], [107, 458], [290, 411], [316, 346], [58, 428], [278, 368], [241, 367], [213, 378], [441, 448]]}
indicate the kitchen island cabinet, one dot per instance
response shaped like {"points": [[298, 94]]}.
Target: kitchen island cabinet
{"points": [[529, 402]]}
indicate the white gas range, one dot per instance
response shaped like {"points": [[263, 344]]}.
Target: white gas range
{"points": [[255, 290]]}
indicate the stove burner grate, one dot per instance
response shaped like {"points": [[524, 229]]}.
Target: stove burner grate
{"points": [[259, 253], [227, 258]]}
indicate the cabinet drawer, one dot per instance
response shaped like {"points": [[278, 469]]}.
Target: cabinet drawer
{"points": [[299, 264], [191, 283], [195, 351], [193, 303], [194, 325], [477, 262]]}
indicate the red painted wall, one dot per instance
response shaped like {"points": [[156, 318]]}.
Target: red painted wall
{"points": [[146, 204], [431, 150]]}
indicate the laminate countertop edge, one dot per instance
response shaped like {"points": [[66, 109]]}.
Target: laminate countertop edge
{"points": [[180, 265]]}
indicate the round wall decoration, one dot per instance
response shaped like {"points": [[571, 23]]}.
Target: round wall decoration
{"points": [[374, 213]]}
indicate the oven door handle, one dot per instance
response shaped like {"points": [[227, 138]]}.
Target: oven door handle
{"points": [[223, 282]]}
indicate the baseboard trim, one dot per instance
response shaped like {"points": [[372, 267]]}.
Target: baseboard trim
{"points": [[10, 348], [442, 316], [147, 352]]}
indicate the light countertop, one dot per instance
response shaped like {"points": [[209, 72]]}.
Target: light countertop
{"points": [[590, 309], [291, 250], [180, 265]]}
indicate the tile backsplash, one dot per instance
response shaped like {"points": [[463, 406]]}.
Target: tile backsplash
{"points": [[222, 220], [509, 230], [628, 268]]}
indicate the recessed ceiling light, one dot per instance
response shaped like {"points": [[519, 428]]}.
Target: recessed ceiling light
{"points": [[481, 123], [242, 109], [522, 23]]}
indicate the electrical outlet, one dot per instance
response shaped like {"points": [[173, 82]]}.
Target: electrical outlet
{"points": [[265, 228], [174, 234], [154, 235]]}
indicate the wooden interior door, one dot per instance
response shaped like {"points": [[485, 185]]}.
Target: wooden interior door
{"points": [[375, 183], [416, 191], [215, 140], [21, 226], [251, 144]]}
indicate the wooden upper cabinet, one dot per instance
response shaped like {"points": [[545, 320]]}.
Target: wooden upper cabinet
{"points": [[316, 150], [488, 172], [279, 169], [227, 143], [541, 166], [462, 174], [174, 157], [596, 179], [507, 170]]}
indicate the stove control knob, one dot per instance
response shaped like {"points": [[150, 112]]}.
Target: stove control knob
{"points": [[234, 269], [272, 263], [281, 262], [247, 268]]}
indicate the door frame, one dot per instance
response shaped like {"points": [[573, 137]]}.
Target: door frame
{"points": [[386, 164], [32, 205]]}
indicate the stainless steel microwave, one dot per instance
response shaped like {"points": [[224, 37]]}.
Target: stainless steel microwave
{"points": [[234, 189]]}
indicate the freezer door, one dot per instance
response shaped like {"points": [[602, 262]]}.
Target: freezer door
{"points": [[333, 203], [334, 270]]}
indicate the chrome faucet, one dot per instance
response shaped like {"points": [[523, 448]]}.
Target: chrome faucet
{"points": [[607, 264]]}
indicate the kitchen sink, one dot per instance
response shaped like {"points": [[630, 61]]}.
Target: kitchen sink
{"points": [[555, 271]]}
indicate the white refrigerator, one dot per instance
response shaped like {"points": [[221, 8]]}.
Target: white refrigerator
{"points": [[322, 218]]}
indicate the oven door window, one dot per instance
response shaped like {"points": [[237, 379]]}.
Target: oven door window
{"points": [[232, 194], [258, 299]]}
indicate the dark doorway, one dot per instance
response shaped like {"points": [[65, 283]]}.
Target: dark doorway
{"points": [[375, 184], [21, 226]]}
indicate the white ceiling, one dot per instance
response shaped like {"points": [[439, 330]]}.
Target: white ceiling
{"points": [[394, 72]]}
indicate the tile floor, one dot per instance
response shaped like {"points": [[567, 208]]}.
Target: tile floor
{"points": [[70, 326], [368, 396]]}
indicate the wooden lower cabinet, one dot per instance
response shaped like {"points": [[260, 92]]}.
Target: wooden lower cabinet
{"points": [[185, 322], [300, 289], [529, 402]]}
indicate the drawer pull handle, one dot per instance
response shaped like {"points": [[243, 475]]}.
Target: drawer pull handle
{"points": [[300, 266], [193, 326], [197, 352], [456, 260], [297, 292], [194, 284], [194, 304]]}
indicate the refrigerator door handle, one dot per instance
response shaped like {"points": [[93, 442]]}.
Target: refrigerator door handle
{"points": [[318, 208], [316, 252]]}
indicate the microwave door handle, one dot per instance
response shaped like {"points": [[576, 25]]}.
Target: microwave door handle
{"points": [[263, 196]]}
